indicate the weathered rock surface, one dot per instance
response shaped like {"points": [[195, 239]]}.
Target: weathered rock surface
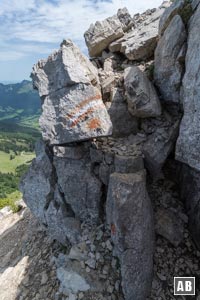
{"points": [[140, 43], [189, 183], [159, 145], [72, 107], [129, 214], [125, 18], [188, 144], [169, 226], [47, 203], [74, 114], [195, 3], [99, 36], [169, 13], [37, 185], [169, 67], [143, 101], [81, 189], [123, 122], [63, 68]]}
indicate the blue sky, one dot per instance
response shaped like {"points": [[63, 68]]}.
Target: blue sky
{"points": [[32, 29]]}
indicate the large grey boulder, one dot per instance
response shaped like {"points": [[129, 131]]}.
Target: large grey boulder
{"points": [[188, 144], [159, 145], [169, 67], [63, 68], [169, 13], [122, 120], [141, 95], [80, 188], [37, 185], [190, 194], [74, 114], [99, 36], [129, 214], [72, 106], [141, 41], [45, 200]]}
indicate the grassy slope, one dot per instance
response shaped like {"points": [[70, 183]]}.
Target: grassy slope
{"points": [[9, 166]]}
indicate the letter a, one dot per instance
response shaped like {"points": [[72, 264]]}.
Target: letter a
{"points": [[180, 287]]}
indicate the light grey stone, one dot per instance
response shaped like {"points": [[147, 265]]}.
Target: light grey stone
{"points": [[188, 144], [99, 36], [195, 3], [141, 95], [37, 185], [169, 13], [71, 282], [81, 189], [74, 114], [169, 68], [123, 122], [169, 226], [129, 214], [158, 147], [140, 43], [61, 222], [125, 18], [63, 68]]}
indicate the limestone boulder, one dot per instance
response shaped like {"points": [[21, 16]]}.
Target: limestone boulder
{"points": [[129, 215], [122, 120], [37, 185], [63, 68], [169, 62], [141, 41], [188, 144], [169, 13], [159, 145], [45, 200], [74, 114], [141, 95], [72, 107], [80, 188], [101, 34]]}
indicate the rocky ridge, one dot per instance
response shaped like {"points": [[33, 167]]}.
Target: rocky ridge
{"points": [[109, 124]]}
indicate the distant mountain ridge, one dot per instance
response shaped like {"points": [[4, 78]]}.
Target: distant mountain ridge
{"points": [[19, 103]]}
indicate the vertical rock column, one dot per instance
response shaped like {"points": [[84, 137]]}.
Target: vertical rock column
{"points": [[129, 215]]}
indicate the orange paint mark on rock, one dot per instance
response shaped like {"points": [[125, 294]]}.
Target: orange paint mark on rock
{"points": [[94, 123], [82, 104]]}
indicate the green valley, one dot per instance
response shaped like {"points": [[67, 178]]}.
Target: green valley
{"points": [[19, 130]]}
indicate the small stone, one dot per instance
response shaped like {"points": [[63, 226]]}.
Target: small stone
{"points": [[44, 278], [91, 263], [110, 289], [99, 235], [109, 245]]}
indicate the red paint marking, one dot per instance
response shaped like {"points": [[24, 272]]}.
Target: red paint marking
{"points": [[82, 104], [113, 229], [94, 123]]}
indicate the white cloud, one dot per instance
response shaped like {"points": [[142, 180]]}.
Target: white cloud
{"points": [[40, 25]]}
